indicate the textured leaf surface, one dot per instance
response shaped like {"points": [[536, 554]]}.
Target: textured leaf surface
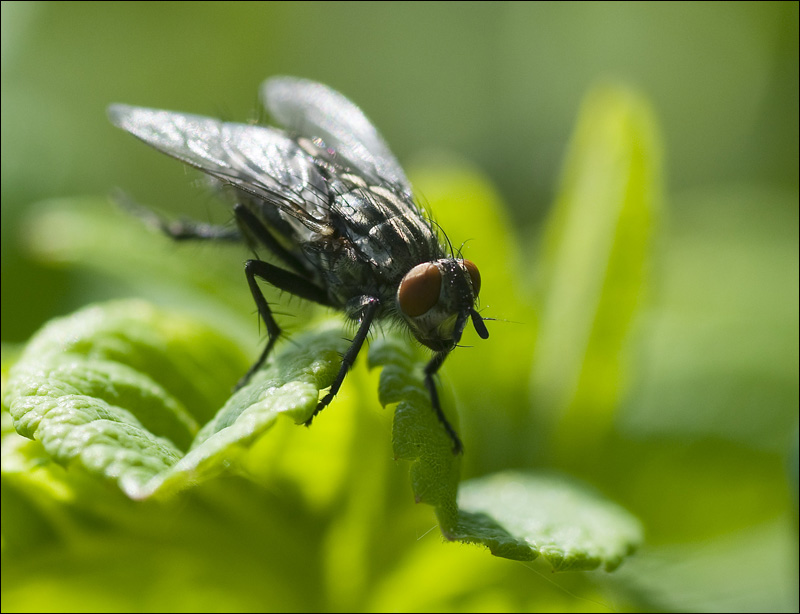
{"points": [[517, 516], [107, 389], [571, 526]]}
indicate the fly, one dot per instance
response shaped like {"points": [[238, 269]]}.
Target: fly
{"points": [[328, 198]]}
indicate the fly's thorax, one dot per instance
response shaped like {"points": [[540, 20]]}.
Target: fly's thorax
{"points": [[436, 298], [386, 230]]}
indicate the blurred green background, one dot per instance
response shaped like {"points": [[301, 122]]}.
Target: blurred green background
{"points": [[708, 426], [499, 83]]}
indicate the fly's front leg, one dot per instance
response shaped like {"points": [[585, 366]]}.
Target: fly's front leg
{"points": [[283, 280], [430, 370], [369, 310]]}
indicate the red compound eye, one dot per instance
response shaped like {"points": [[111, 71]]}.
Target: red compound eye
{"points": [[474, 275], [419, 290]]}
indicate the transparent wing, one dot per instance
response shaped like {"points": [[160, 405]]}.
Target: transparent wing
{"points": [[314, 110], [258, 160]]}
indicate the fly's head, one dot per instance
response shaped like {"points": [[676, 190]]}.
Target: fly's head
{"points": [[437, 298]]}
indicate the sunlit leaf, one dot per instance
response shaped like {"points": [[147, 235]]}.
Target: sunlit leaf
{"points": [[417, 435], [515, 515], [571, 526], [106, 390], [596, 260]]}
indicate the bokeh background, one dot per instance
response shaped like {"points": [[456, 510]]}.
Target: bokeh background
{"points": [[498, 83], [498, 86]]}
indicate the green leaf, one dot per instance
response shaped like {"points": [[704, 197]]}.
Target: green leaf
{"points": [[417, 434], [120, 390], [126, 392], [571, 526], [595, 265], [517, 516], [419, 437]]}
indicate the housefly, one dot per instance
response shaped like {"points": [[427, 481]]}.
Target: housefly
{"points": [[327, 197]]}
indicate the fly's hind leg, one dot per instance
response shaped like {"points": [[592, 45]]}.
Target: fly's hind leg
{"points": [[179, 230], [183, 230]]}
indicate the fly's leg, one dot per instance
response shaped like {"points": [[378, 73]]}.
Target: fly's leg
{"points": [[179, 230], [433, 367], [249, 223], [368, 313], [283, 280], [183, 230], [430, 370]]}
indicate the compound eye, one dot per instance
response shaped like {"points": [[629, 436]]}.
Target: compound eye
{"points": [[419, 290], [474, 275]]}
